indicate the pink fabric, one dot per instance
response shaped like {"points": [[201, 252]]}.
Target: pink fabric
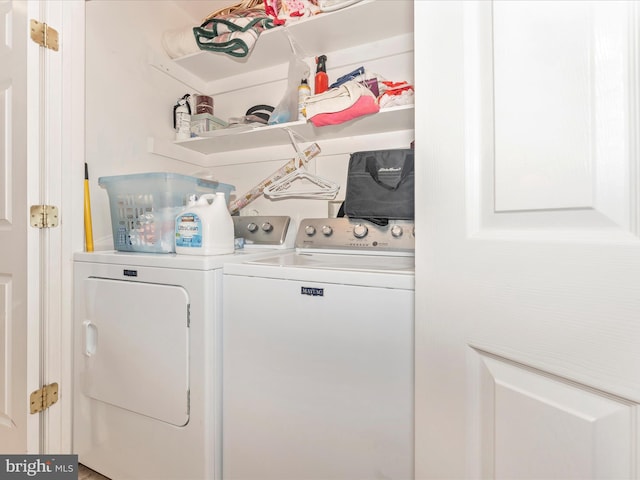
{"points": [[365, 105]]}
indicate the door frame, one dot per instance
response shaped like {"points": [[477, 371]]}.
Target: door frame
{"points": [[71, 168], [56, 178]]}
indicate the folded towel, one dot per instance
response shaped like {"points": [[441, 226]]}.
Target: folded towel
{"points": [[233, 34], [395, 94]]}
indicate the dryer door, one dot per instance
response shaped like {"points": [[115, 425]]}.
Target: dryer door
{"points": [[136, 347]]}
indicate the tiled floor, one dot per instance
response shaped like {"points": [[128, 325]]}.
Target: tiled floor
{"points": [[85, 473]]}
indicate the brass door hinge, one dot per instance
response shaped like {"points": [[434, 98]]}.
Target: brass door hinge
{"points": [[44, 216], [44, 35], [44, 397]]}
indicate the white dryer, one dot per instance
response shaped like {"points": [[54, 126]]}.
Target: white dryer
{"points": [[146, 357], [318, 366]]}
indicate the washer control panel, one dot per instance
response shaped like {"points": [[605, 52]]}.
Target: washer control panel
{"points": [[357, 235], [262, 230]]}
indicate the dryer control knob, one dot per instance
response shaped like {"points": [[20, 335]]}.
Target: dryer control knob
{"points": [[327, 230], [267, 227], [396, 231], [252, 227], [310, 230], [360, 231]]}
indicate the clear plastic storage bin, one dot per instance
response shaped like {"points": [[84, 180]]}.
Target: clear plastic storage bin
{"points": [[144, 207]]}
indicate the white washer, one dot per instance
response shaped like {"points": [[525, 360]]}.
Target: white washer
{"points": [[318, 357], [147, 370]]}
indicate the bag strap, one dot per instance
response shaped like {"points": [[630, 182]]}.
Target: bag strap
{"points": [[371, 165]]}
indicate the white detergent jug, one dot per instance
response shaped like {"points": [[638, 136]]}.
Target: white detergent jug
{"points": [[205, 229]]}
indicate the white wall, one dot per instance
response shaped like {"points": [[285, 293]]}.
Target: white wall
{"points": [[128, 101]]}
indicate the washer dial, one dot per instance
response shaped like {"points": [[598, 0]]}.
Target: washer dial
{"points": [[360, 231]]}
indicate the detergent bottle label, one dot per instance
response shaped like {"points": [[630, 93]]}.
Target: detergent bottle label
{"points": [[189, 231]]}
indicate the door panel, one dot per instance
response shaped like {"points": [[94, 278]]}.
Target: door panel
{"points": [[529, 270], [5, 137], [561, 106], [5, 350], [544, 98], [13, 227], [544, 164], [587, 434]]}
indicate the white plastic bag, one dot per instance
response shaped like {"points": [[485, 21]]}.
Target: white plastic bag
{"points": [[287, 109]]}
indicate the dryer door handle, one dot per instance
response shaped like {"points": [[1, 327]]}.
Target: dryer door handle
{"points": [[90, 338]]}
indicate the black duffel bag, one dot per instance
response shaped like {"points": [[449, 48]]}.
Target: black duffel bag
{"points": [[380, 185]]}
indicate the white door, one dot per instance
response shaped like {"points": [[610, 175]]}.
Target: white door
{"points": [[30, 268], [14, 220], [528, 270], [136, 347]]}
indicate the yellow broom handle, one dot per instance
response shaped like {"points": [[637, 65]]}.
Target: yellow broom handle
{"points": [[88, 229]]}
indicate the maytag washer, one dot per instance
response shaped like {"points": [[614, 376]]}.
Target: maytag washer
{"points": [[147, 372], [318, 356]]}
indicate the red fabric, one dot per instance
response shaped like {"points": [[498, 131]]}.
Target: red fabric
{"points": [[269, 10], [365, 105]]}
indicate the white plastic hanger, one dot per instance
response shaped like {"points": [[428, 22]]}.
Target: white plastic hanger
{"points": [[300, 183]]}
